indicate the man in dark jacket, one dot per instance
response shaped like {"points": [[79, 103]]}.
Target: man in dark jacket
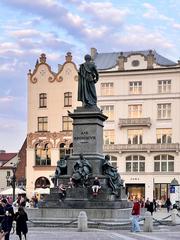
{"points": [[8, 218]]}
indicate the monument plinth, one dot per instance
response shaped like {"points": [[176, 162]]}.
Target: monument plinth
{"points": [[88, 137]]}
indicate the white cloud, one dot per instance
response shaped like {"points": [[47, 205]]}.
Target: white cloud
{"points": [[104, 11], [138, 37], [176, 25], [6, 99], [23, 33], [10, 129], [153, 13]]}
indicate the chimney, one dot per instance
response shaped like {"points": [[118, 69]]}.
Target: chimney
{"points": [[93, 53], [2, 151]]}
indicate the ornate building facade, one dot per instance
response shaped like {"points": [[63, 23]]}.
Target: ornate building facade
{"points": [[140, 93], [50, 97]]}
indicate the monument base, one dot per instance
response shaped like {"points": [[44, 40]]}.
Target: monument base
{"points": [[67, 214], [83, 198]]}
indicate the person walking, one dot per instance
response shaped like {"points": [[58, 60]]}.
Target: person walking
{"points": [[135, 216], [168, 204], [21, 219], [155, 204], [8, 218], [150, 208]]}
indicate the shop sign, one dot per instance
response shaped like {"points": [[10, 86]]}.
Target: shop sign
{"points": [[172, 189]]}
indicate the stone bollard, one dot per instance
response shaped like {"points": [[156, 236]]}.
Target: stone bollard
{"points": [[174, 216], [148, 222], [82, 222]]}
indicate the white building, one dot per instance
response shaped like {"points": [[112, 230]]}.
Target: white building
{"points": [[138, 91]]}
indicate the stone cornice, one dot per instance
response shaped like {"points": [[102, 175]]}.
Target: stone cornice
{"points": [[53, 138]]}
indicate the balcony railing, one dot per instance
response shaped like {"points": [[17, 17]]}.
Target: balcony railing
{"points": [[127, 122], [168, 147]]}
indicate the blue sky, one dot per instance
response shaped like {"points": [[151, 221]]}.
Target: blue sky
{"points": [[55, 27]]}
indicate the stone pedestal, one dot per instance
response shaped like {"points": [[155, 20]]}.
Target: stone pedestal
{"points": [[87, 137]]}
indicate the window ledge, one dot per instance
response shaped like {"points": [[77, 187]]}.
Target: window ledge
{"points": [[163, 119]]}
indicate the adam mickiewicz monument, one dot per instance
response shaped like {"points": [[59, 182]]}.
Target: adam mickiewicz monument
{"points": [[87, 161]]}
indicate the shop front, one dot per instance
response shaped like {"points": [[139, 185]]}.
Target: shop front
{"points": [[161, 191], [135, 190]]}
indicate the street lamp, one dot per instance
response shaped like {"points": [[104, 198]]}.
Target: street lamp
{"points": [[13, 179]]}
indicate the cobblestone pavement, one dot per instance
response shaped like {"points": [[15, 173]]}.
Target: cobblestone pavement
{"points": [[163, 233]]}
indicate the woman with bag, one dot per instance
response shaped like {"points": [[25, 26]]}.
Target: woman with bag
{"points": [[135, 216]]}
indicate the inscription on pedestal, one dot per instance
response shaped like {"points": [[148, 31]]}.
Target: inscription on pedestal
{"points": [[84, 137]]}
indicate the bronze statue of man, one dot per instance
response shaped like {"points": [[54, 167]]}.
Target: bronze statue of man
{"points": [[88, 77]]}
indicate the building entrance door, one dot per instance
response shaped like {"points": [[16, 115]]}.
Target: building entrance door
{"points": [[135, 190]]}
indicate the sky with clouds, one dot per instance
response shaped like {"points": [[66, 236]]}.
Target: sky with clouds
{"points": [[55, 27]]}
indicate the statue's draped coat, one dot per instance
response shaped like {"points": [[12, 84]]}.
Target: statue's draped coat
{"points": [[88, 76]]}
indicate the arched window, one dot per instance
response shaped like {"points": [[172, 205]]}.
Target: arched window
{"points": [[135, 163], [64, 150], [164, 163], [42, 154], [42, 182]]}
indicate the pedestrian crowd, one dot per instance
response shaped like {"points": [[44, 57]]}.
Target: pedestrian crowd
{"points": [[7, 216], [150, 206]]}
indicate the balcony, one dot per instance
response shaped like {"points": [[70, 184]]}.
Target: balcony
{"points": [[131, 122], [120, 148]]}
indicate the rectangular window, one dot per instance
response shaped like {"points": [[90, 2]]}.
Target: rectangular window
{"points": [[109, 136], [164, 163], [135, 163], [171, 166], [107, 89], [128, 166], [135, 111], [135, 87], [135, 166], [164, 86], [42, 100], [68, 99], [42, 124], [164, 135], [67, 123], [156, 166], [108, 111], [164, 111], [141, 166], [113, 161], [163, 166], [135, 136]]}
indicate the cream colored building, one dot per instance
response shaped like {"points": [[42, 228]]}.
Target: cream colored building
{"points": [[138, 91], [50, 97]]}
